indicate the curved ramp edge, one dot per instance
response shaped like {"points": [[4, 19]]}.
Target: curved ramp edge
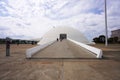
{"points": [[32, 51], [96, 51]]}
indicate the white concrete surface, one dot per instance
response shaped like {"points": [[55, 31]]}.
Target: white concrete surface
{"points": [[72, 33], [97, 51], [32, 51]]}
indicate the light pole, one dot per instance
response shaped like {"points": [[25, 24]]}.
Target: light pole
{"points": [[106, 29]]}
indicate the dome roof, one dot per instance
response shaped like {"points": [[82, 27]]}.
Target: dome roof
{"points": [[71, 33]]}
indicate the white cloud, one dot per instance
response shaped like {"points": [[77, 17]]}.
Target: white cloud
{"points": [[32, 18], [70, 8]]}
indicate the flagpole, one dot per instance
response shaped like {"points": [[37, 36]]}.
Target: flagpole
{"points": [[106, 29]]}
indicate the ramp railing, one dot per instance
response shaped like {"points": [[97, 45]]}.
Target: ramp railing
{"points": [[96, 51], [32, 51]]}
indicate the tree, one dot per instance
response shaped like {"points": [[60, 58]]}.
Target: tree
{"points": [[96, 40], [110, 40], [115, 39], [102, 39]]}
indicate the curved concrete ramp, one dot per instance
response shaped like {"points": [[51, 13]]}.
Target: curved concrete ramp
{"points": [[64, 49]]}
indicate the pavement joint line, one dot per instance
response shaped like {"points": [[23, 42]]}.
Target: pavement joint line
{"points": [[62, 71]]}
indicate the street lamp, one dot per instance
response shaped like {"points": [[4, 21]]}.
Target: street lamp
{"points": [[106, 29]]}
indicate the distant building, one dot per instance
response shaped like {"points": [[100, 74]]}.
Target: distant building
{"points": [[116, 33]]}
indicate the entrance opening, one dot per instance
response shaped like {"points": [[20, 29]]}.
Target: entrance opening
{"points": [[63, 36]]}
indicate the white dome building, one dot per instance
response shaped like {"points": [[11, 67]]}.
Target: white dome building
{"points": [[65, 32]]}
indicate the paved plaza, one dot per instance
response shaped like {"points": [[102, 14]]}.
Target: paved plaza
{"points": [[17, 67]]}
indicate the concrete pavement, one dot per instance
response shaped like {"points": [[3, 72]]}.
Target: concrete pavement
{"points": [[64, 49], [17, 67]]}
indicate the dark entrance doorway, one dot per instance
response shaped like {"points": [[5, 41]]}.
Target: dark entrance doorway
{"points": [[63, 36]]}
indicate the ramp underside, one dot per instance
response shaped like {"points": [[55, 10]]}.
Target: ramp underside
{"points": [[64, 49]]}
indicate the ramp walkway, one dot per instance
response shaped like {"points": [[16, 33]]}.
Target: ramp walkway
{"points": [[64, 49]]}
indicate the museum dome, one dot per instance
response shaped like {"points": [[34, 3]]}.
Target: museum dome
{"points": [[68, 32]]}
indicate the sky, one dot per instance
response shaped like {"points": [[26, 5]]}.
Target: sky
{"points": [[31, 19]]}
